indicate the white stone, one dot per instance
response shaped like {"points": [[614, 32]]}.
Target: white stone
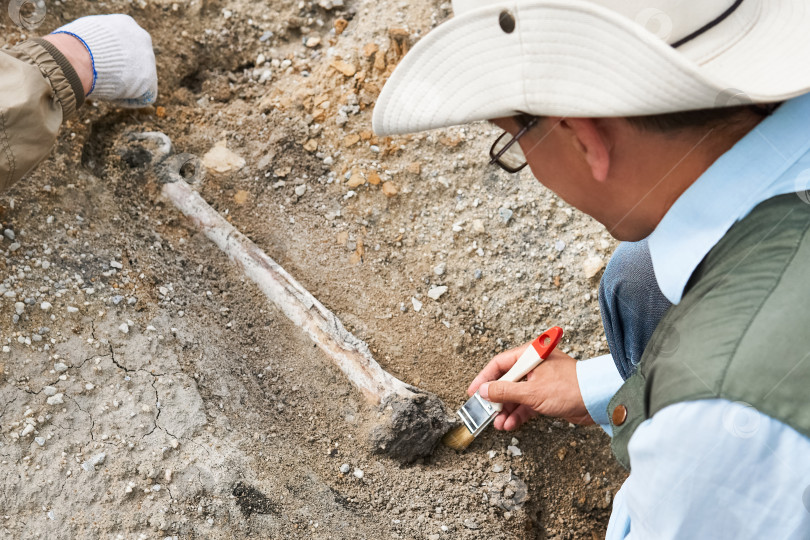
{"points": [[514, 450], [49, 390], [417, 305], [592, 265], [497, 468], [56, 399], [40, 441], [72, 309], [124, 328], [19, 307], [59, 367], [45, 306], [220, 159], [345, 468], [91, 463], [27, 430], [440, 268], [116, 264], [436, 292], [358, 473]]}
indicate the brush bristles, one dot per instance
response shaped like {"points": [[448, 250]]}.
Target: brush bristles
{"points": [[458, 438]]}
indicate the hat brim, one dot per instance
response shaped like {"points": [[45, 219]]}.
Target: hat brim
{"points": [[578, 59]]}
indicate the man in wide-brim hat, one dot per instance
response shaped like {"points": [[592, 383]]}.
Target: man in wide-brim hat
{"points": [[684, 128]]}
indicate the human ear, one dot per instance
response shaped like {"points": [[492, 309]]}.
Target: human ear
{"points": [[591, 143]]}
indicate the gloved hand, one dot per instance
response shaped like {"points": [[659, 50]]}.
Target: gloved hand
{"points": [[123, 61]]}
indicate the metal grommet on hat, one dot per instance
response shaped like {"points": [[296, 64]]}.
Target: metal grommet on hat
{"points": [[507, 21]]}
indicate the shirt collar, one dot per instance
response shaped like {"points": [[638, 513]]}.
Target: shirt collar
{"points": [[751, 172]]}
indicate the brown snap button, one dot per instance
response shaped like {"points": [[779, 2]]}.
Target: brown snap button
{"points": [[507, 22], [619, 415]]}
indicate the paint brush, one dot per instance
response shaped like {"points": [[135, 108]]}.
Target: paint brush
{"points": [[478, 413]]}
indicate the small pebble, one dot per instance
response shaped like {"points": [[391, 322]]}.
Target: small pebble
{"points": [[471, 524], [59, 367], [56, 399], [19, 307], [8, 233], [49, 391], [417, 305], [45, 306], [117, 299], [559, 245], [345, 468], [436, 292], [440, 268], [71, 309], [116, 264], [124, 328], [497, 468], [514, 450], [358, 473], [505, 214], [91, 463], [40, 441]]}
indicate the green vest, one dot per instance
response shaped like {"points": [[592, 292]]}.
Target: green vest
{"points": [[741, 331]]}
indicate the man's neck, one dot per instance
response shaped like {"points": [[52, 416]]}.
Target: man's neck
{"points": [[673, 162]]}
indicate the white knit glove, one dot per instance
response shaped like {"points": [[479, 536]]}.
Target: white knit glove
{"points": [[123, 61]]}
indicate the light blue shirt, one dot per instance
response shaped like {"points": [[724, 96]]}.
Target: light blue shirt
{"points": [[714, 469]]}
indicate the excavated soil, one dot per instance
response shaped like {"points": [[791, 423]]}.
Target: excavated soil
{"points": [[148, 390]]}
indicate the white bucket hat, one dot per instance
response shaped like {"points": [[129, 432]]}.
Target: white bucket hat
{"points": [[597, 58]]}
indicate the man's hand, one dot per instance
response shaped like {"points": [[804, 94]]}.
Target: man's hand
{"points": [[118, 54], [550, 389]]}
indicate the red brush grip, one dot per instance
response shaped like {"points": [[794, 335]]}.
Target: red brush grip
{"points": [[546, 341]]}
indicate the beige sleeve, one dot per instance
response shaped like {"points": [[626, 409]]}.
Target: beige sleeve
{"points": [[38, 88]]}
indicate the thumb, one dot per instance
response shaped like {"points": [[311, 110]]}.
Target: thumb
{"points": [[504, 392]]}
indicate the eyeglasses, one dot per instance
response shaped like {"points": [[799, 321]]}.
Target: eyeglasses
{"points": [[506, 153]]}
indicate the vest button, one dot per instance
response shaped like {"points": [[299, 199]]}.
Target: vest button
{"points": [[619, 415]]}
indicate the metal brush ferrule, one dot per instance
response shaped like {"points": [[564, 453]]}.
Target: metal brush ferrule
{"points": [[478, 413]]}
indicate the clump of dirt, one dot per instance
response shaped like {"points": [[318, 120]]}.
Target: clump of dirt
{"points": [[148, 390]]}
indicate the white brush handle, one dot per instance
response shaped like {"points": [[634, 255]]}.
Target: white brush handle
{"points": [[537, 351], [529, 360]]}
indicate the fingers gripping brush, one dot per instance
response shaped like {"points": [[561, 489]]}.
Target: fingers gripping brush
{"points": [[478, 413]]}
